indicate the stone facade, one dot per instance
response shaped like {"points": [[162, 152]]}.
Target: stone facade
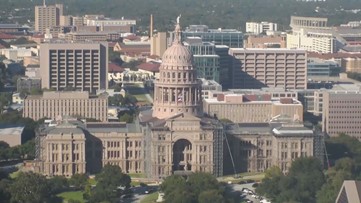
{"points": [[257, 147]]}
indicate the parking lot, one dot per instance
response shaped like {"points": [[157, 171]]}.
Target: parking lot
{"points": [[245, 192]]}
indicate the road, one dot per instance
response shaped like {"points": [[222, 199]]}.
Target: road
{"points": [[236, 191], [138, 194]]}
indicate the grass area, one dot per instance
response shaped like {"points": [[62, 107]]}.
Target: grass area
{"points": [[137, 175], [151, 198], [138, 91], [73, 195], [92, 181], [243, 176], [15, 174]]}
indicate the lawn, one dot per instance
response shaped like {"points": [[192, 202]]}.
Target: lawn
{"points": [[15, 174], [138, 91], [73, 195], [92, 181], [152, 198], [137, 175]]}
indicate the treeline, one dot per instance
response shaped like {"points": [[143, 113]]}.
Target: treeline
{"points": [[307, 181], [215, 13], [111, 183]]}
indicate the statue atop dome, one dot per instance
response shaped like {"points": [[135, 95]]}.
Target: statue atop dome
{"points": [[177, 32], [178, 18]]}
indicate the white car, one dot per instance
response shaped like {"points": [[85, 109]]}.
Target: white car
{"points": [[265, 201]]}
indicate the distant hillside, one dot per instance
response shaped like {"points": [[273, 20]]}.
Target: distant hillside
{"points": [[215, 13]]}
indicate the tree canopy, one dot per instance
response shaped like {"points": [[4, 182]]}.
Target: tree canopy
{"points": [[199, 187], [301, 184], [111, 184], [29, 187]]}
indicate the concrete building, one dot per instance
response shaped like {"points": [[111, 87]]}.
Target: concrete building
{"points": [[266, 42], [262, 27], [11, 135], [257, 147], [172, 138], [251, 108], [208, 87], [47, 16], [229, 37], [80, 66], [75, 147], [256, 68], [205, 58], [319, 68], [341, 113], [225, 66], [158, 44], [110, 22], [95, 36], [313, 41], [299, 22], [27, 84], [55, 105]]}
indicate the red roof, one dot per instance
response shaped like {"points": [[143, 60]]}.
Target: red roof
{"points": [[38, 36], [6, 36], [114, 68], [152, 66], [132, 38]]}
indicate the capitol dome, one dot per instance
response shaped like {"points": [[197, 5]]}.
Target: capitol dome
{"points": [[178, 55]]}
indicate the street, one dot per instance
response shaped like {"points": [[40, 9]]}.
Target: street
{"points": [[138, 194], [236, 191]]}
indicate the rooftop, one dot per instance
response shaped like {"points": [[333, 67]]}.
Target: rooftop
{"points": [[11, 130]]}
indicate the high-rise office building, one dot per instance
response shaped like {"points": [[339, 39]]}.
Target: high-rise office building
{"points": [[229, 37], [341, 113], [205, 58], [256, 68], [74, 66], [47, 17]]}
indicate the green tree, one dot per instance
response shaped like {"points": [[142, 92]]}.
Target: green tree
{"points": [[111, 183], [29, 187], [199, 187], [58, 184], [79, 181], [345, 169], [116, 100], [304, 179], [213, 196], [4, 190], [126, 118]]}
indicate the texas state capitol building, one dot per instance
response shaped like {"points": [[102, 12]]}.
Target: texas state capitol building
{"points": [[173, 137]]}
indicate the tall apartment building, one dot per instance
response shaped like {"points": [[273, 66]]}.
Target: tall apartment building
{"points": [[312, 40], [80, 66], [54, 105], [47, 16], [252, 108], [205, 58], [256, 68], [262, 27], [341, 113]]}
